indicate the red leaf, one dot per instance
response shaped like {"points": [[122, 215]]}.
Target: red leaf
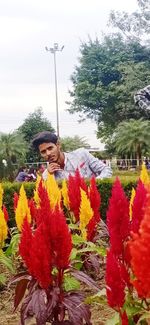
{"points": [[20, 291]]}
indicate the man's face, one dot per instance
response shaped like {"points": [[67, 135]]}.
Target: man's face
{"points": [[50, 151]]}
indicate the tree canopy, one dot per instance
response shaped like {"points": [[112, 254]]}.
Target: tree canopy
{"points": [[12, 148], [104, 82], [72, 143], [133, 25], [33, 124], [132, 137]]}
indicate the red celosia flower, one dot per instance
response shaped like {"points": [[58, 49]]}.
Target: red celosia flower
{"points": [[74, 184], [124, 318], [43, 212], [95, 201], [140, 256], [59, 237], [138, 206], [118, 218], [115, 283], [16, 198], [33, 209], [5, 213], [41, 258], [25, 245]]}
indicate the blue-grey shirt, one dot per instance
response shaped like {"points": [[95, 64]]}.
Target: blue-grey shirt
{"points": [[86, 163]]}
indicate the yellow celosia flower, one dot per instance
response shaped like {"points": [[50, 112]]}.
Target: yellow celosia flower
{"points": [[3, 228], [54, 193], [64, 192], [86, 213], [144, 175], [22, 210], [1, 195], [131, 202], [36, 195]]}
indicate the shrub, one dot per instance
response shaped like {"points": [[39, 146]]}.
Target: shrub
{"points": [[104, 187]]}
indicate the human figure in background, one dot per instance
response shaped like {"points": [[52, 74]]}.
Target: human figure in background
{"points": [[31, 177], [62, 164], [40, 169], [142, 98], [22, 175]]}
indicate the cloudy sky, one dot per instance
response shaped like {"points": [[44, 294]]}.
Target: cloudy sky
{"points": [[27, 70]]}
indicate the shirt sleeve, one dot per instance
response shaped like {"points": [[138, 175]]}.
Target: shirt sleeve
{"points": [[142, 98], [99, 169]]}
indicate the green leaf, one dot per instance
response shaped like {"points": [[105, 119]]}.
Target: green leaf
{"points": [[99, 297], [2, 279], [70, 283], [77, 239], [74, 253], [7, 262], [13, 247], [143, 317], [114, 320]]}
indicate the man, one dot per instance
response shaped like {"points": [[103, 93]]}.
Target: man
{"points": [[142, 98], [62, 164]]}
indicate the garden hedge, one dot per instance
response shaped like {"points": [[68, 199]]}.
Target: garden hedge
{"points": [[104, 187]]}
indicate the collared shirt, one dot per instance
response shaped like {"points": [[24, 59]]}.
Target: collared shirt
{"points": [[142, 98], [86, 163]]}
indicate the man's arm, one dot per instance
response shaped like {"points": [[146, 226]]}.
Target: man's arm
{"points": [[99, 169], [142, 98]]}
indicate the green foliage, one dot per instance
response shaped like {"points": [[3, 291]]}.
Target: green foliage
{"points": [[33, 124], [132, 137], [104, 82], [72, 143], [133, 25], [70, 283], [13, 149]]}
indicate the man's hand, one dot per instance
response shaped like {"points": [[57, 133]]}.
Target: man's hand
{"points": [[53, 167]]}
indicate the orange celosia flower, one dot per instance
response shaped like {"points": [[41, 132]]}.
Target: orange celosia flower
{"points": [[1, 195], [53, 191], [22, 209], [3, 228], [131, 202], [86, 213], [140, 256]]}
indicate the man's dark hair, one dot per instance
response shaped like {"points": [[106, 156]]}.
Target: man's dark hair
{"points": [[44, 137]]}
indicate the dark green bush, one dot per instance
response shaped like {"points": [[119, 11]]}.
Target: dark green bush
{"points": [[104, 186]]}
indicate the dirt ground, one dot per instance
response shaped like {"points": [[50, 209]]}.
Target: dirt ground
{"points": [[7, 317]]}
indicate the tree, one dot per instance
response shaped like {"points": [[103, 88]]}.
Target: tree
{"points": [[133, 25], [13, 149], [132, 137], [108, 74], [34, 123], [72, 143]]}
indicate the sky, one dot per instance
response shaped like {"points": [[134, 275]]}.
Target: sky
{"points": [[27, 69]]}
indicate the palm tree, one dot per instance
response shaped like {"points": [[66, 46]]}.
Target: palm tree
{"points": [[12, 146], [133, 137]]}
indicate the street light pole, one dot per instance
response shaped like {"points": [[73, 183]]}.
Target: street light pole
{"points": [[53, 50]]}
